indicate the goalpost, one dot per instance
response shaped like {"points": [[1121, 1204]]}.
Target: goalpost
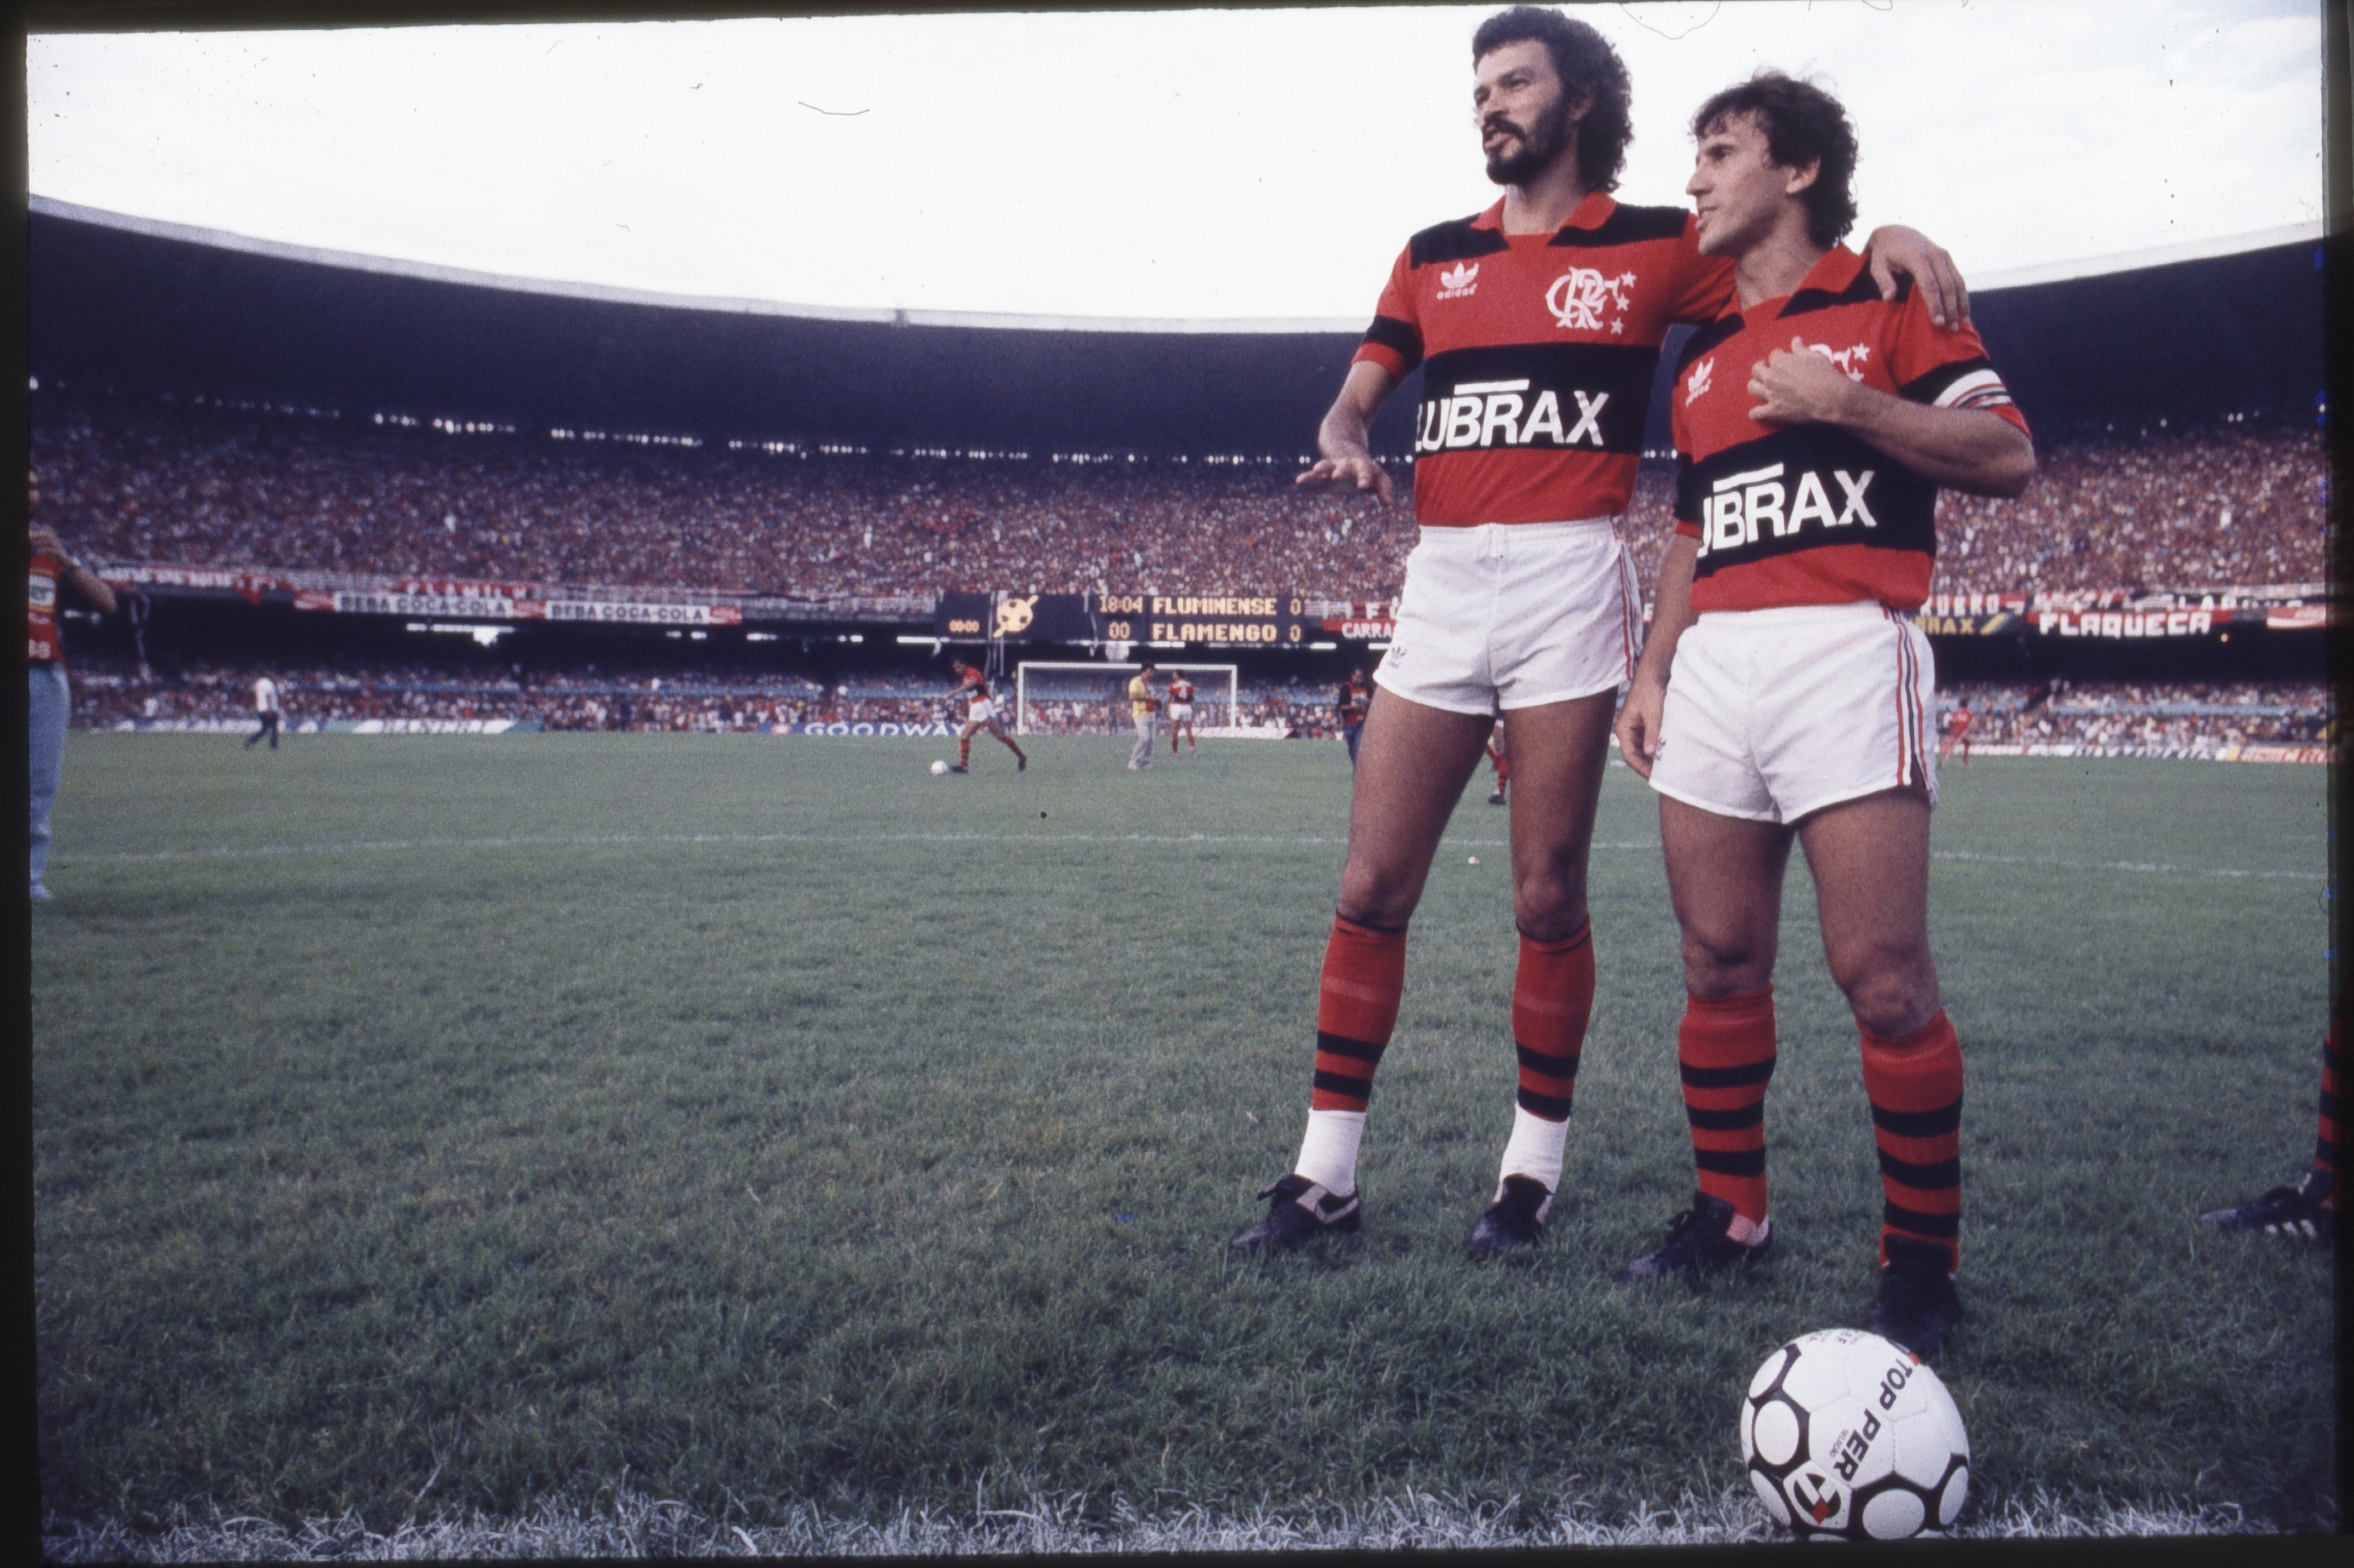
{"points": [[1091, 698]]}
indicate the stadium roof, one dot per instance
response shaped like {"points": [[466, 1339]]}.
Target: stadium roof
{"points": [[2225, 326]]}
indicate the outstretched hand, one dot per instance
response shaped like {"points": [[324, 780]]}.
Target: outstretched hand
{"points": [[1356, 470]]}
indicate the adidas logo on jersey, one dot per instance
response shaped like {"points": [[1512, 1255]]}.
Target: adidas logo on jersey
{"points": [[1479, 412], [1697, 388], [1743, 507], [1459, 281]]}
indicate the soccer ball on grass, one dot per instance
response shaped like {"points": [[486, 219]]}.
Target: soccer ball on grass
{"points": [[1846, 1434], [939, 766]]}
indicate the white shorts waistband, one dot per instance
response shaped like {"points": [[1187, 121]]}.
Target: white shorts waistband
{"points": [[1802, 614], [1486, 538]]}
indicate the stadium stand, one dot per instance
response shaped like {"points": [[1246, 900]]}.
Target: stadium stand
{"points": [[2193, 510]]}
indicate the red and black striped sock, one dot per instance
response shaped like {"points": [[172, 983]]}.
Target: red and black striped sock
{"points": [[2325, 1146], [1553, 996], [1915, 1087], [1725, 1051], [1356, 1008], [964, 751]]}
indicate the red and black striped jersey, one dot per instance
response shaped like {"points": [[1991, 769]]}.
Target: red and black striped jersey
{"points": [[43, 644], [1796, 515], [1537, 352], [1181, 690]]}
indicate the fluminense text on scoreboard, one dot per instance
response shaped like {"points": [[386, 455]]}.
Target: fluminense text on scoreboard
{"points": [[1206, 620]]}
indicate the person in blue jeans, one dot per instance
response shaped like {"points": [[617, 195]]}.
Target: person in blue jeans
{"points": [[53, 574]]}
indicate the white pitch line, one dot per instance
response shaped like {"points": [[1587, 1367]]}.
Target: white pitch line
{"points": [[2148, 866], [372, 846]]}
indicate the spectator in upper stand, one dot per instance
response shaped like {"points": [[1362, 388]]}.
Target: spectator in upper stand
{"points": [[2170, 510]]}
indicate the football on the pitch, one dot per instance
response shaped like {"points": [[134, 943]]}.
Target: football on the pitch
{"points": [[939, 765], [1848, 1434]]}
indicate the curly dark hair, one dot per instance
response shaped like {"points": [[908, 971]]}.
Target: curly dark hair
{"points": [[1803, 124], [1589, 68]]}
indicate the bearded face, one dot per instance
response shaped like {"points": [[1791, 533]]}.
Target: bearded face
{"points": [[1518, 152]]}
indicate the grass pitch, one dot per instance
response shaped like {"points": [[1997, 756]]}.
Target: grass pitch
{"points": [[431, 1125]]}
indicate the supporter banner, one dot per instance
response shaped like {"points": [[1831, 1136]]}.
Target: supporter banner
{"points": [[1994, 623], [2132, 622], [1375, 622], [623, 613], [245, 726], [1979, 604], [431, 726], [863, 726], [482, 606], [2266, 753]]}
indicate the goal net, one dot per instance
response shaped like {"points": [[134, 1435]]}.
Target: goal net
{"points": [[1092, 698]]}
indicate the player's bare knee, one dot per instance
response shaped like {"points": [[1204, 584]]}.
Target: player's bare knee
{"points": [[1386, 902], [1725, 964], [1548, 906], [1892, 1000]]}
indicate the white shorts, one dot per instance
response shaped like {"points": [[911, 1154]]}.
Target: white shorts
{"points": [[1513, 615], [981, 712], [1181, 713], [1772, 713]]}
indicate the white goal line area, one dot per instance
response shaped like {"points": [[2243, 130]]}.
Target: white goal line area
{"points": [[1091, 697], [845, 841]]}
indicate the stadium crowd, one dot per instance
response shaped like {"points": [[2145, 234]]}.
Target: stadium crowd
{"points": [[112, 692], [2219, 507]]}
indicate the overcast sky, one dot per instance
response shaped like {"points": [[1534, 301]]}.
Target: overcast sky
{"points": [[1200, 164]]}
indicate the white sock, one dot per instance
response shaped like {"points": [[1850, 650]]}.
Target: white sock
{"points": [[1534, 1150], [1328, 1153]]}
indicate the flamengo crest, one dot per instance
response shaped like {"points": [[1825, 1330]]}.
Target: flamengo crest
{"points": [[1579, 295]]}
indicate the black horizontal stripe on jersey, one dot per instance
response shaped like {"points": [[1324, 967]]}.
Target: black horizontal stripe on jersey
{"points": [[1860, 292], [1931, 387], [1705, 339], [1798, 488], [1627, 226], [1919, 1124], [1595, 392], [1726, 1077], [1401, 338], [1455, 241], [1944, 1227]]}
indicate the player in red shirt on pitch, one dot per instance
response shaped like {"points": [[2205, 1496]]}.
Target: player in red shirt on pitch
{"points": [[1537, 326], [1181, 713], [980, 713], [1958, 732], [1783, 693], [1503, 763]]}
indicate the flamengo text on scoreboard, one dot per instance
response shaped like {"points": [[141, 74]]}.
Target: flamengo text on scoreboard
{"points": [[1221, 631]]}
